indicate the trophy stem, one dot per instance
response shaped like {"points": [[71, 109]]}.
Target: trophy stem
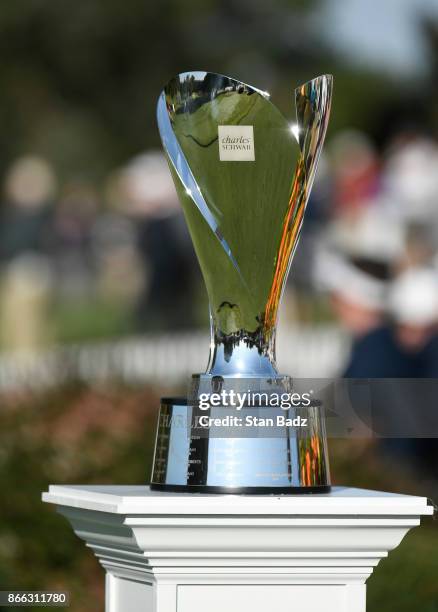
{"points": [[242, 354]]}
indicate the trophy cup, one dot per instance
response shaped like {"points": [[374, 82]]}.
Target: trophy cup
{"points": [[243, 174]]}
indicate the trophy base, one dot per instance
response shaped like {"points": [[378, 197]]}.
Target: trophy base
{"points": [[254, 451], [241, 490]]}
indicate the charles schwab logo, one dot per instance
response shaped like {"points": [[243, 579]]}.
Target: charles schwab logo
{"points": [[236, 142]]}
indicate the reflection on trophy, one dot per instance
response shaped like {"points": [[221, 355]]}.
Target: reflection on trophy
{"points": [[243, 175]]}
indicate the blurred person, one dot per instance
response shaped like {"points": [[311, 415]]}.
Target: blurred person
{"points": [[25, 228], [356, 290], [394, 324], [413, 306], [356, 171], [405, 345], [74, 216], [410, 181], [354, 266], [166, 252], [120, 274], [25, 300], [374, 234], [410, 177], [421, 246], [29, 190], [299, 301]]}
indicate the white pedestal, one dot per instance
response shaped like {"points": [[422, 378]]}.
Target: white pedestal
{"points": [[166, 552]]}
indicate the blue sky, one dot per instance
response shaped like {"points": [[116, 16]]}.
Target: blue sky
{"points": [[381, 33]]}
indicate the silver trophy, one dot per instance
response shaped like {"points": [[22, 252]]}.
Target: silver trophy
{"points": [[243, 174]]}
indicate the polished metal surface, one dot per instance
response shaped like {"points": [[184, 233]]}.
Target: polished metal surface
{"points": [[243, 174], [186, 458], [244, 217]]}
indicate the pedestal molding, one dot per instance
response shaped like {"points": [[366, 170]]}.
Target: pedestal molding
{"points": [[181, 561], [140, 500]]}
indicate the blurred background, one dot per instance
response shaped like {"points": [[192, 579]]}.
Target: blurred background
{"points": [[102, 304]]}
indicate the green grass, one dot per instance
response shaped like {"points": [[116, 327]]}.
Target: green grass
{"points": [[408, 579], [90, 319]]}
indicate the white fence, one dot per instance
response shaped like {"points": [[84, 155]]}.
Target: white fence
{"points": [[165, 359]]}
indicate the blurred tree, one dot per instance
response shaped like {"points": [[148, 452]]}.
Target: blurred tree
{"points": [[79, 81], [431, 93]]}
